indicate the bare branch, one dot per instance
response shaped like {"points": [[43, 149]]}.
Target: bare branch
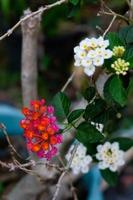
{"points": [[3, 128], [58, 186], [110, 25], [39, 11], [68, 82]]}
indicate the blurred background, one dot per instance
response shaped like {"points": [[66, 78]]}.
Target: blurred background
{"points": [[61, 29]]}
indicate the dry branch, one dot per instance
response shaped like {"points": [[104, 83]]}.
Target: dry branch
{"points": [[32, 14]]}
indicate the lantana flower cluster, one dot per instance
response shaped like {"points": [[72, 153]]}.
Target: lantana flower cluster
{"points": [[91, 53], [80, 161], [40, 129], [110, 156], [120, 65]]}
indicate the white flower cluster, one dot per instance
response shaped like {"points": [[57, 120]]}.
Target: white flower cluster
{"points": [[81, 161], [91, 54], [110, 156]]}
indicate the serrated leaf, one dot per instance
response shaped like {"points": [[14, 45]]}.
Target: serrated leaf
{"points": [[116, 90], [87, 133], [126, 33], [75, 115], [110, 177], [114, 39], [89, 93], [124, 142], [94, 109], [61, 104]]}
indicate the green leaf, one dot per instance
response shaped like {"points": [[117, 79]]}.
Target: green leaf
{"points": [[114, 39], [110, 177], [116, 90], [106, 91], [124, 142], [89, 93], [75, 115], [87, 133], [130, 88], [94, 109], [61, 104], [128, 56], [126, 33], [73, 10], [103, 117], [74, 2]]}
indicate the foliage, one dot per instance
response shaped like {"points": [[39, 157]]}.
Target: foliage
{"points": [[101, 109]]}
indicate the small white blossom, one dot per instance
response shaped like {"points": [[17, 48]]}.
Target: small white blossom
{"points": [[89, 70], [77, 62], [98, 61], [84, 44], [93, 42], [81, 161], [103, 43], [91, 53], [110, 156], [99, 51], [81, 54], [107, 53], [86, 62]]}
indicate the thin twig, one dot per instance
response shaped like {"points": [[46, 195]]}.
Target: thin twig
{"points": [[110, 25], [39, 11], [3, 128], [73, 189], [58, 186], [112, 13], [117, 15], [68, 82]]}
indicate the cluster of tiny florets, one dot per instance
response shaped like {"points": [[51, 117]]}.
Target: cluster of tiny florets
{"points": [[118, 51], [120, 66], [41, 129], [110, 156], [80, 161], [91, 53]]}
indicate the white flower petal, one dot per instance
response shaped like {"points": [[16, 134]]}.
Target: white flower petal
{"points": [[93, 42], [76, 49], [102, 165], [92, 54], [84, 44], [89, 70], [107, 54], [85, 169], [113, 168], [98, 61], [86, 62], [81, 54]]}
